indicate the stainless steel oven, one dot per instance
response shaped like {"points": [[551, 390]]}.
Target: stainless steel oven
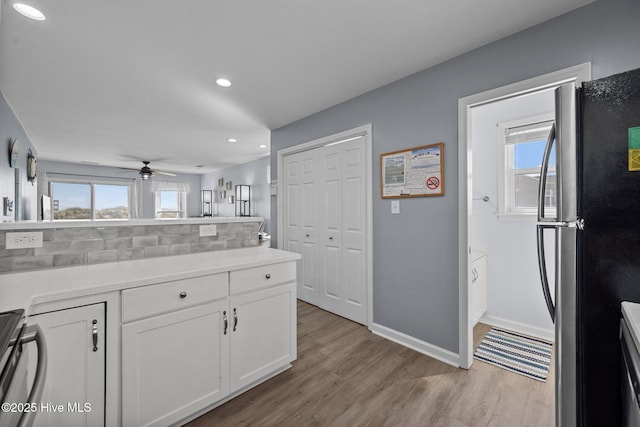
{"points": [[630, 377], [19, 406]]}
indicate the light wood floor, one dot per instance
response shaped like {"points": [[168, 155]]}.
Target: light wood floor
{"points": [[347, 376]]}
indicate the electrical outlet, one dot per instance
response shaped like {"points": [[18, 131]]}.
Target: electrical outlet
{"points": [[25, 240], [208, 230]]}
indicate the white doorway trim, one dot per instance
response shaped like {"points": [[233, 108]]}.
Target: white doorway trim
{"points": [[362, 131], [578, 74]]}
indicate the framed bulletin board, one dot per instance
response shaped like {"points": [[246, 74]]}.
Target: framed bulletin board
{"points": [[415, 172]]}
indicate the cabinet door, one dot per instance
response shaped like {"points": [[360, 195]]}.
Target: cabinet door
{"points": [[263, 333], [75, 368], [479, 289], [174, 365]]}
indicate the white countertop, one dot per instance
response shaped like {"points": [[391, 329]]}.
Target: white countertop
{"points": [[631, 313], [30, 225], [28, 289]]}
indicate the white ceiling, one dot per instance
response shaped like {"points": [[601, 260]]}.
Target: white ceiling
{"points": [[114, 82]]}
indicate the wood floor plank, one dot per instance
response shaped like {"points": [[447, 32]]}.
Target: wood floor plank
{"points": [[347, 376]]}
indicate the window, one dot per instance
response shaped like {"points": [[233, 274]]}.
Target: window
{"points": [[170, 204], [78, 200], [521, 146], [170, 199]]}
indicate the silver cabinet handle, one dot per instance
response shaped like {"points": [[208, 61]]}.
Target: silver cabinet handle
{"points": [[183, 294], [475, 275], [267, 276], [95, 335], [226, 322], [235, 319]]}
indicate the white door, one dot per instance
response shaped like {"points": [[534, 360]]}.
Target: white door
{"points": [[301, 218], [330, 261], [354, 235], [174, 364], [325, 209], [75, 367], [262, 333]]}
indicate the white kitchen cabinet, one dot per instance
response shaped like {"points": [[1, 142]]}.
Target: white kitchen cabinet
{"points": [[75, 380], [174, 363], [478, 286], [189, 344], [263, 333]]}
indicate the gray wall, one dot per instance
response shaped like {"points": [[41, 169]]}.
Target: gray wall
{"points": [[10, 127], [415, 255], [253, 173], [193, 198]]}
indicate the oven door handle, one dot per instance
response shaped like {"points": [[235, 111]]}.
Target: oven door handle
{"points": [[34, 333]]}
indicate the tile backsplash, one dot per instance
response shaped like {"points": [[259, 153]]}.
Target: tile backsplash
{"points": [[94, 244]]}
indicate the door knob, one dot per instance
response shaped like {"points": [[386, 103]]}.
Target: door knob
{"points": [[183, 294]]}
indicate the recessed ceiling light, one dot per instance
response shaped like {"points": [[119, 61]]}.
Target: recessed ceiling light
{"points": [[262, 146], [223, 82], [29, 11], [232, 140]]}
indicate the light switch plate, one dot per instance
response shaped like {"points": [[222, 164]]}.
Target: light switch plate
{"points": [[395, 207]]}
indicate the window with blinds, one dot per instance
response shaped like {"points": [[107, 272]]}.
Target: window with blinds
{"points": [[522, 144]]}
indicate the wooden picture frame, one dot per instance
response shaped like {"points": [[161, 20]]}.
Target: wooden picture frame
{"points": [[413, 172]]}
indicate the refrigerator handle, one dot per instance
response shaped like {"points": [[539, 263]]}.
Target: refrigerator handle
{"points": [[542, 184], [542, 265]]}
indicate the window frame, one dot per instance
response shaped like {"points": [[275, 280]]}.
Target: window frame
{"points": [[92, 182], [181, 200], [507, 210]]}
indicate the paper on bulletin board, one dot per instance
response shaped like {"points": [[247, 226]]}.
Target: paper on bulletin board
{"points": [[416, 172], [634, 149]]}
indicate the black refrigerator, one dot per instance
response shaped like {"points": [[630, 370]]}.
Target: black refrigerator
{"points": [[609, 244], [596, 227]]}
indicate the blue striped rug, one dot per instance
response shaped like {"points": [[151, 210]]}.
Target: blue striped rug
{"points": [[517, 353]]}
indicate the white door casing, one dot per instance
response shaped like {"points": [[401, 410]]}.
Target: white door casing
{"points": [[578, 74]]}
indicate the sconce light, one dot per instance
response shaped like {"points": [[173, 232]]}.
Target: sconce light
{"points": [[243, 200]]}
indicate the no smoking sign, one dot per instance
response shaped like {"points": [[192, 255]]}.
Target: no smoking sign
{"points": [[433, 183]]}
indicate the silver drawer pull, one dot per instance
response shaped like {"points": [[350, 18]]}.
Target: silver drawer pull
{"points": [[268, 276], [183, 294], [95, 335], [226, 322]]}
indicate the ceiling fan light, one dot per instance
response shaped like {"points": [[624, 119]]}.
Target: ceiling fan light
{"points": [[29, 11], [145, 175]]}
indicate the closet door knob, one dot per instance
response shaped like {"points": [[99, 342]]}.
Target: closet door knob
{"points": [[268, 276], [183, 294]]}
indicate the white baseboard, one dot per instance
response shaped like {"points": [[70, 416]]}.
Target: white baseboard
{"points": [[423, 347], [534, 331]]}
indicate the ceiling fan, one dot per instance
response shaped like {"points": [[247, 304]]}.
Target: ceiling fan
{"points": [[146, 172]]}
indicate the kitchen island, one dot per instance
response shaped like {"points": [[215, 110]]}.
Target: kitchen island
{"points": [[159, 341]]}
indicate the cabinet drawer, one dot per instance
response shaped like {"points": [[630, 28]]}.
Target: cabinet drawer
{"points": [[150, 300], [262, 277]]}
